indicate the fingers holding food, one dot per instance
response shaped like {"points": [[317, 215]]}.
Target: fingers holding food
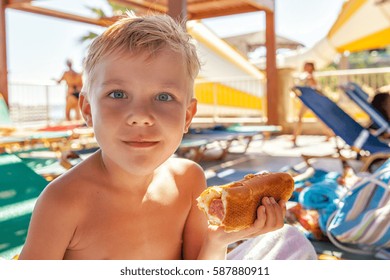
{"points": [[235, 206]]}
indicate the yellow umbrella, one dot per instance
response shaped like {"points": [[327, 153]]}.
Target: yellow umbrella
{"points": [[361, 25]]}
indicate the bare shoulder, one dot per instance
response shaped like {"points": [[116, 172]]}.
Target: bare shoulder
{"points": [[69, 189], [61, 192], [188, 173], [57, 214], [185, 167]]}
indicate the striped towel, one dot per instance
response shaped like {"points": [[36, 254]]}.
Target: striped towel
{"points": [[364, 214]]}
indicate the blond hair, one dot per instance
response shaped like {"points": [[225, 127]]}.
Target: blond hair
{"points": [[137, 34]]}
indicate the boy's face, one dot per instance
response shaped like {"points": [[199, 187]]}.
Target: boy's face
{"points": [[139, 107]]}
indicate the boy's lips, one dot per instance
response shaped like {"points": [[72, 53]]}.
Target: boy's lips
{"points": [[140, 143]]}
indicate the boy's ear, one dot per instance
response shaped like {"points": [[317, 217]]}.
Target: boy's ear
{"points": [[85, 108], [190, 113]]}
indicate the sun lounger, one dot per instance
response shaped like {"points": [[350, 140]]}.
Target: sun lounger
{"points": [[29, 139], [63, 127], [8, 143], [19, 188], [43, 161], [56, 140], [44, 150], [265, 130], [56, 150], [356, 94], [222, 139], [227, 175], [70, 158], [360, 140], [56, 137], [192, 149], [195, 147]]}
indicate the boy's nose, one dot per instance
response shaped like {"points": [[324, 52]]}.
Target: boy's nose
{"points": [[140, 117]]}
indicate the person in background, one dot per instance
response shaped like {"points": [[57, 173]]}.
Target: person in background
{"points": [[307, 80], [381, 101], [74, 84]]}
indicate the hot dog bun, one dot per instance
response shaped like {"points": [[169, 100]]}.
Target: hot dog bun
{"points": [[234, 205]]}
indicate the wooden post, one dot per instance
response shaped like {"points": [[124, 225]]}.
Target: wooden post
{"points": [[3, 53], [177, 9], [273, 107]]}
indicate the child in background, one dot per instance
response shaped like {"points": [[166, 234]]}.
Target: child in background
{"points": [[308, 80]]}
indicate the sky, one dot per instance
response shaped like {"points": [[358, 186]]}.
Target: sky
{"points": [[38, 46]]}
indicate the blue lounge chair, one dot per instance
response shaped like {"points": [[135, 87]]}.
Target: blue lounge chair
{"points": [[358, 138], [20, 186], [360, 97]]}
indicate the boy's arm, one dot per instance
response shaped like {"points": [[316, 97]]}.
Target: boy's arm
{"points": [[198, 243], [196, 225], [51, 227]]}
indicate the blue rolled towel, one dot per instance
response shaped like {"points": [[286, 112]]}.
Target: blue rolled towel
{"points": [[319, 195], [323, 197], [319, 176]]}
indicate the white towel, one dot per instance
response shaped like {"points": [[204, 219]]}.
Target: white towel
{"points": [[287, 243]]}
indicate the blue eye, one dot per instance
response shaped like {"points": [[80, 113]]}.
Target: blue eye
{"points": [[117, 94], [164, 97]]}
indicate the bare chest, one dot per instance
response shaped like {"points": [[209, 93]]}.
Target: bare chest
{"points": [[119, 228]]}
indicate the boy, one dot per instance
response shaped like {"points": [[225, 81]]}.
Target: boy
{"points": [[131, 199]]}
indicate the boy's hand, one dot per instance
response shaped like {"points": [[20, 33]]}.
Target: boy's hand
{"points": [[270, 217]]}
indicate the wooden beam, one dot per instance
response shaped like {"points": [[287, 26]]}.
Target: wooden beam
{"points": [[143, 5], [177, 9], [213, 5], [27, 7], [196, 10], [273, 107], [10, 2], [217, 13], [3, 53]]}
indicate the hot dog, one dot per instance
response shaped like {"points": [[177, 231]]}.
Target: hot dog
{"points": [[234, 205]]}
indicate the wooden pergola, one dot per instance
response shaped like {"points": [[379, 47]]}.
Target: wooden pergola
{"points": [[179, 9]]}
